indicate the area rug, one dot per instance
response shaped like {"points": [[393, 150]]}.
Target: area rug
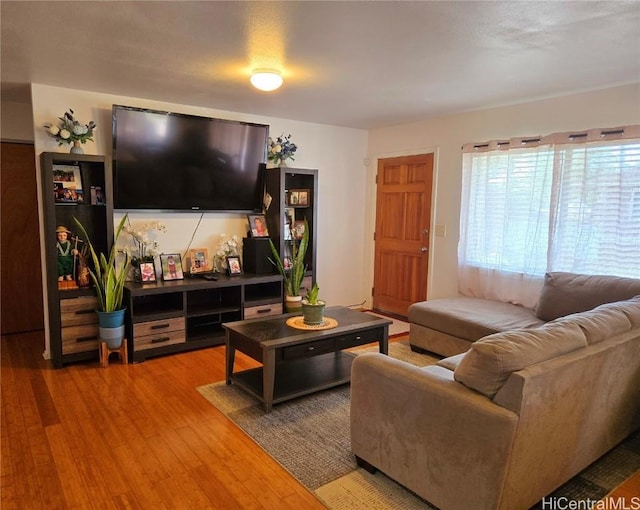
{"points": [[309, 437]]}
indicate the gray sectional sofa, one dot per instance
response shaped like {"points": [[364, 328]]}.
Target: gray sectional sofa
{"points": [[518, 414], [449, 326]]}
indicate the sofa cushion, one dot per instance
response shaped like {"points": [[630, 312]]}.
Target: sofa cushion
{"points": [[451, 362], [471, 318], [605, 320], [567, 293], [490, 361]]}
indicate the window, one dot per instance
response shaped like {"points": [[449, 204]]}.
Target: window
{"points": [[565, 202]]}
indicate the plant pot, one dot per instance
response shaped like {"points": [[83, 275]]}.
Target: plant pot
{"points": [[293, 304], [111, 327], [113, 336], [313, 314]]}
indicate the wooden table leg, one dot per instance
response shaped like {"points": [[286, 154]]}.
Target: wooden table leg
{"points": [[230, 355], [268, 377], [384, 341]]}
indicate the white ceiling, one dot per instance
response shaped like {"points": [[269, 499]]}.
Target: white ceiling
{"points": [[359, 64]]}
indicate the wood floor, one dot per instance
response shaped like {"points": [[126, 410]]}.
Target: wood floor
{"points": [[128, 437], [134, 437]]}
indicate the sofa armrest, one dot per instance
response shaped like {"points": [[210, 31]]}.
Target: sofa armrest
{"points": [[430, 433]]}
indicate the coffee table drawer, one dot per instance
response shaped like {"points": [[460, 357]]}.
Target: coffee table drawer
{"points": [[360, 338], [309, 349]]}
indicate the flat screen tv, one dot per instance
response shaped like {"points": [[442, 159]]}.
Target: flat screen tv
{"points": [[176, 162]]}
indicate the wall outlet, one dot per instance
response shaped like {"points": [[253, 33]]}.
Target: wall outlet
{"points": [[441, 231]]}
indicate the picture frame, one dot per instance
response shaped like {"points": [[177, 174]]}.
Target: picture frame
{"points": [[147, 272], [299, 197], [258, 225], [298, 229], [67, 185], [199, 260], [289, 216], [171, 267], [234, 266]]}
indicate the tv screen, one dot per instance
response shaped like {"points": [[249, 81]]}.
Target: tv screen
{"points": [[176, 162]]}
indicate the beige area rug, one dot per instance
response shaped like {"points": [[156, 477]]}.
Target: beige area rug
{"points": [[397, 328], [309, 437]]}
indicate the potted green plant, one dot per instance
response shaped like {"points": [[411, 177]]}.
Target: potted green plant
{"points": [[109, 285], [312, 307], [294, 273]]}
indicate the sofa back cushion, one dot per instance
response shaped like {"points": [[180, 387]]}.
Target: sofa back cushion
{"points": [[566, 293], [605, 320], [490, 361]]}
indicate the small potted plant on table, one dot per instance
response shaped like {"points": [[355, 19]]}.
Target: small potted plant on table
{"points": [[313, 308]]}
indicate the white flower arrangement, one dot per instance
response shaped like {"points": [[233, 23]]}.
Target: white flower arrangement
{"points": [[69, 130], [145, 247], [227, 246], [281, 148]]}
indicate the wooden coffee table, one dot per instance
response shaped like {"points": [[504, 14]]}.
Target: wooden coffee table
{"points": [[297, 362]]}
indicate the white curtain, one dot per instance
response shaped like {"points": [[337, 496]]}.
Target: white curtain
{"points": [[565, 202]]}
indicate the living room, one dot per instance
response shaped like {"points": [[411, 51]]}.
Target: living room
{"points": [[346, 158]]}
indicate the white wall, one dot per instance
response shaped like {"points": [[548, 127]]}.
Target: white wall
{"points": [[445, 136], [338, 154]]}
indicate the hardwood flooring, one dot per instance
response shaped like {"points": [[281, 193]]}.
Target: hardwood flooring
{"points": [[128, 437], [134, 437]]}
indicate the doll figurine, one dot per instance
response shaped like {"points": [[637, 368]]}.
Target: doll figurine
{"points": [[66, 254]]}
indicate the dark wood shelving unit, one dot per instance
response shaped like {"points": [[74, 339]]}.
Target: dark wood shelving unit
{"points": [[280, 182], [73, 328], [169, 317]]}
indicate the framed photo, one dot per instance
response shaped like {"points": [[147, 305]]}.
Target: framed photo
{"points": [[298, 229], [303, 197], [67, 184], [289, 215], [171, 267], [234, 267], [199, 258], [147, 272], [299, 197], [258, 225]]}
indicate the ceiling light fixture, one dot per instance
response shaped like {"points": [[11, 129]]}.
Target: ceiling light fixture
{"points": [[266, 80]]}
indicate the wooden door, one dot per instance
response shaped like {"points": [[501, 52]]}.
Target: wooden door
{"points": [[403, 219], [22, 308]]}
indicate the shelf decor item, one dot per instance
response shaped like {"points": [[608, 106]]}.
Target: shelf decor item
{"points": [[109, 286], [145, 246], [227, 247], [199, 258], [171, 267], [313, 308], [294, 270], [69, 130], [281, 149]]}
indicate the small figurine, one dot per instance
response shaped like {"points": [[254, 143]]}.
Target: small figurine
{"points": [[66, 254]]}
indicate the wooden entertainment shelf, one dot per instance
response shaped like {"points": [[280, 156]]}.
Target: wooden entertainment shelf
{"points": [[176, 316]]}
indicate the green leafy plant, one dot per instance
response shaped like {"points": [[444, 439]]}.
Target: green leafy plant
{"points": [[108, 281], [293, 275], [312, 294]]}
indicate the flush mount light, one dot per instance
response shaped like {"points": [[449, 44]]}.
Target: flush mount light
{"points": [[266, 80]]}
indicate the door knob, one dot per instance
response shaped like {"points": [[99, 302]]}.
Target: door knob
{"points": [[424, 249]]}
